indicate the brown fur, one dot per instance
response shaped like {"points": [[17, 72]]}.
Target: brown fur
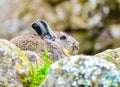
{"points": [[57, 48]]}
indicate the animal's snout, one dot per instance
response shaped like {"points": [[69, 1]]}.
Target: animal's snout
{"points": [[75, 48]]}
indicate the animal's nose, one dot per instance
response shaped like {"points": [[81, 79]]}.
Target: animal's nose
{"points": [[75, 48]]}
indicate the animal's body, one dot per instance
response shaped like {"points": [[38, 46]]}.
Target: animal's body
{"points": [[58, 44]]}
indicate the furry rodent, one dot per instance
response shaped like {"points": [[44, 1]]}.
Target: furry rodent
{"points": [[58, 44]]}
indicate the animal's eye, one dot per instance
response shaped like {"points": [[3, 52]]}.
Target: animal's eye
{"points": [[62, 37]]}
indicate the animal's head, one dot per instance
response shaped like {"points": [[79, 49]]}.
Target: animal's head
{"points": [[68, 44]]}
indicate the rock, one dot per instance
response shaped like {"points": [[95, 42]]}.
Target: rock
{"points": [[15, 66], [34, 58], [111, 55], [82, 71]]}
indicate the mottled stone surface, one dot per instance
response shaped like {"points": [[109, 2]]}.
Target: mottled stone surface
{"points": [[34, 58], [111, 55], [14, 65], [80, 70]]}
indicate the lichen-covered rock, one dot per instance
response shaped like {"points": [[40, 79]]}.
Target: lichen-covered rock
{"points": [[34, 58], [83, 71], [111, 55], [14, 65]]}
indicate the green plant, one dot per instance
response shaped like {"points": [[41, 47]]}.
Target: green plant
{"points": [[40, 72]]}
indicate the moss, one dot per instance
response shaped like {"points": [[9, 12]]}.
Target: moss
{"points": [[108, 58]]}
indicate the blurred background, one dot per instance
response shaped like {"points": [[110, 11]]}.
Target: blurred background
{"points": [[94, 23]]}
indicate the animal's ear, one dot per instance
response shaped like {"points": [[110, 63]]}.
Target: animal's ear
{"points": [[43, 29], [46, 30], [37, 28], [43, 23]]}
